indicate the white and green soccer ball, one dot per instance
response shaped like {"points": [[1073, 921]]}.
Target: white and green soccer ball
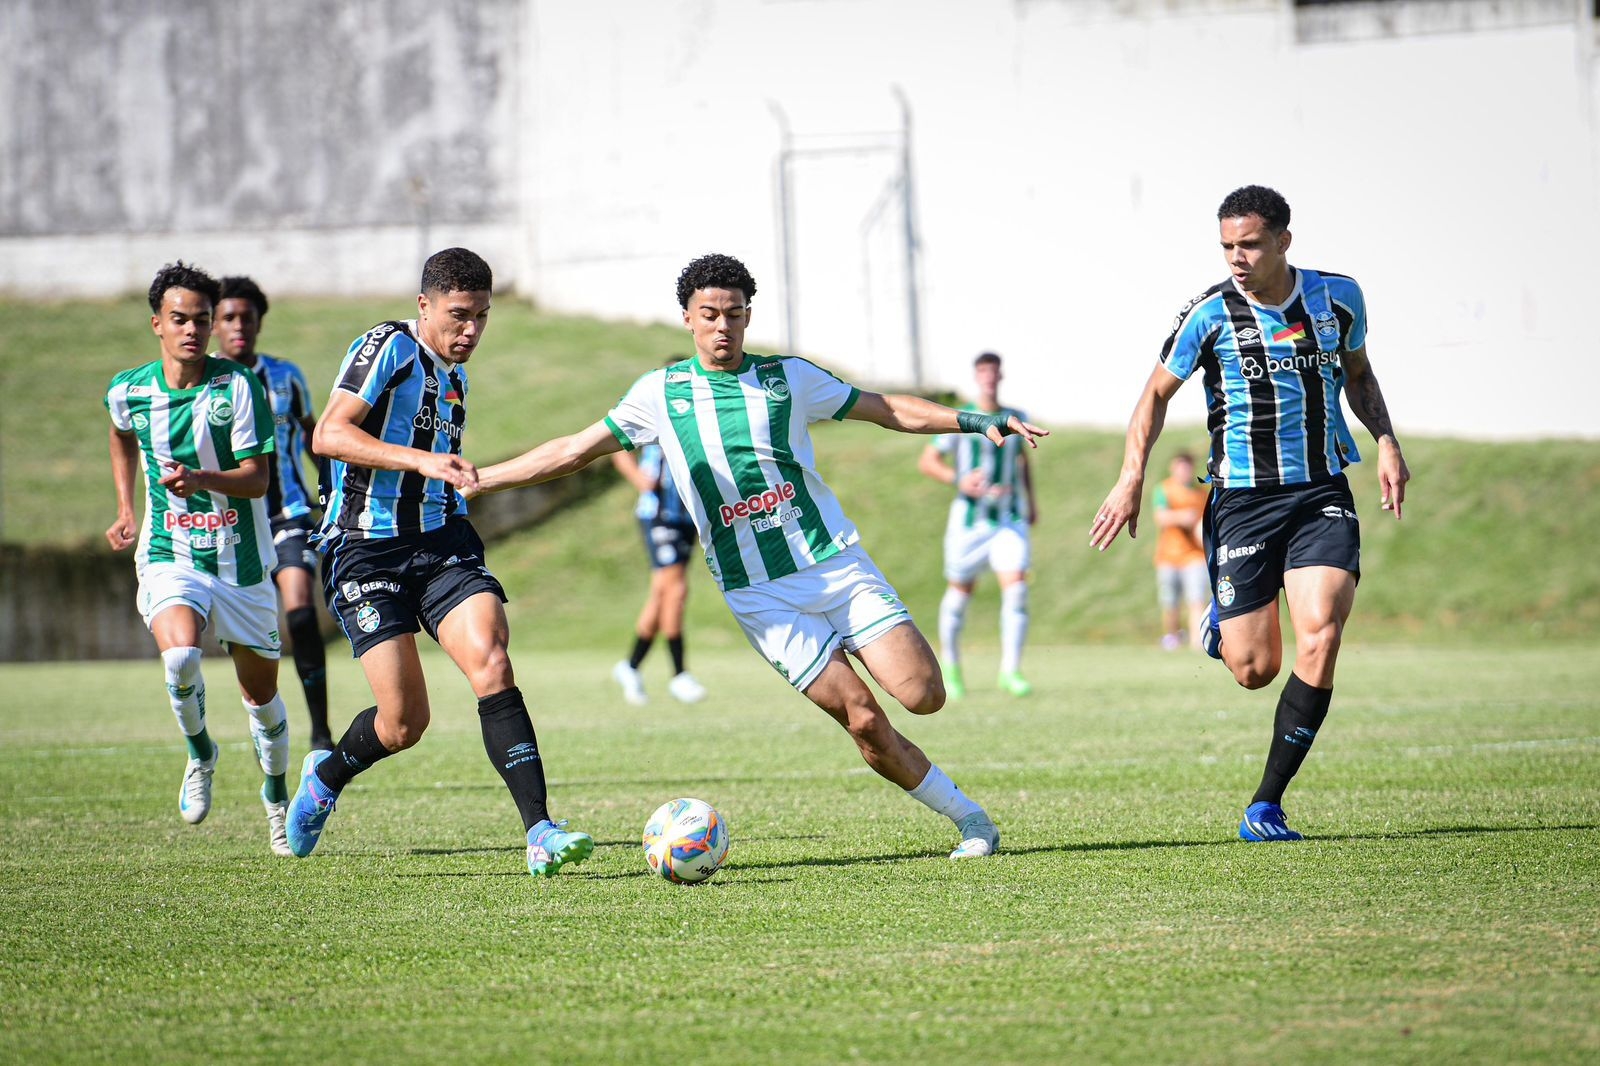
{"points": [[685, 841]]}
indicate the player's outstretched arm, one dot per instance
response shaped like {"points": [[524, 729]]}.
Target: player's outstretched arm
{"points": [[339, 436], [550, 460], [1121, 506], [124, 532], [1366, 402], [913, 414]]}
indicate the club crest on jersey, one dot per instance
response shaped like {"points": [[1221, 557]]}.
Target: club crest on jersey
{"points": [[680, 406], [221, 412], [778, 390], [1225, 593], [367, 618], [1327, 324]]}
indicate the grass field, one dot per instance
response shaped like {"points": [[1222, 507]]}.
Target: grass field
{"points": [[1445, 908]]}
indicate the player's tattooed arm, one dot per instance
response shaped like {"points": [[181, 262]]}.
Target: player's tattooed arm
{"points": [[1366, 402]]}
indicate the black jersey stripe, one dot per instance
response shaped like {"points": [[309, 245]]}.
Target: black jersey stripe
{"points": [[1263, 417], [1314, 414]]}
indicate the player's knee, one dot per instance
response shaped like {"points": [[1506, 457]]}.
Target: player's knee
{"points": [[1254, 672], [494, 674], [1319, 642], [868, 727], [923, 695]]}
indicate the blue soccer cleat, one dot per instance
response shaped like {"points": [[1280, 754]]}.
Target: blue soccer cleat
{"points": [[1211, 635], [1265, 822], [310, 807], [550, 848]]}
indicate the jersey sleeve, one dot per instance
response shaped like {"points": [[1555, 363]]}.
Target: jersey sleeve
{"points": [[633, 420], [116, 401], [1192, 331], [300, 405], [375, 360], [1350, 298], [253, 432], [821, 395]]}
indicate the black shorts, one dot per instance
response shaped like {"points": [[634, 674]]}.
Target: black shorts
{"points": [[667, 545], [1253, 535], [381, 589], [291, 538]]}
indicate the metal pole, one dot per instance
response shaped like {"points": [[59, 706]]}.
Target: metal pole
{"points": [[791, 343], [913, 311]]}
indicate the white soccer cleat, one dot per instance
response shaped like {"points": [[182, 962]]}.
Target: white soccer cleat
{"points": [[278, 827], [685, 689], [194, 796], [979, 837], [632, 684]]}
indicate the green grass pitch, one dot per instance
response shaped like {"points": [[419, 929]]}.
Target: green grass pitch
{"points": [[1444, 909]]}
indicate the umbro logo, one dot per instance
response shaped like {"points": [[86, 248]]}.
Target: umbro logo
{"points": [[1249, 334]]}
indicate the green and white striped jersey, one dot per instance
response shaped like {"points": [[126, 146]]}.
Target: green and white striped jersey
{"points": [[739, 447], [1001, 464], [213, 426]]}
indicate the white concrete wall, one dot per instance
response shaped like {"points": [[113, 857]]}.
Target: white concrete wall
{"points": [[1069, 156]]}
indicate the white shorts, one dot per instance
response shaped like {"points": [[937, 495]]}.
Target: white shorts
{"points": [[968, 549], [244, 616], [797, 620], [1190, 583]]}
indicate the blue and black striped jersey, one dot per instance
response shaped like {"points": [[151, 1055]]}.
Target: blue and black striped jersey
{"points": [[664, 505], [417, 401], [289, 492], [1272, 377]]}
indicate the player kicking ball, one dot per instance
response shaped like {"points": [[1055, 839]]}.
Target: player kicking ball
{"points": [[200, 430], [735, 428]]}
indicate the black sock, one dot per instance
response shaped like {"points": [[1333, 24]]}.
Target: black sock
{"points": [[1301, 710], [675, 646], [358, 749], [311, 663], [509, 740], [641, 648]]}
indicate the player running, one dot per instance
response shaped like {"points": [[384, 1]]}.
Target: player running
{"points": [[201, 432], [401, 556], [735, 428], [989, 523], [239, 315], [1276, 344]]}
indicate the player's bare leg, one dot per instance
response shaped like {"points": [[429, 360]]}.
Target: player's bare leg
{"points": [[904, 665], [1252, 646]]}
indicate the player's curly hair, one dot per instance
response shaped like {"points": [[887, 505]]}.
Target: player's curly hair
{"points": [[237, 286], [181, 275], [1257, 200], [456, 270], [715, 271]]}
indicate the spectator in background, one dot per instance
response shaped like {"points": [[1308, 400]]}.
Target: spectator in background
{"points": [[1181, 579]]}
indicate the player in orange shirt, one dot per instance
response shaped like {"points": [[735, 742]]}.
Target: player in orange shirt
{"points": [[1180, 557]]}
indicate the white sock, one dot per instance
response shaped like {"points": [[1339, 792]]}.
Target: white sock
{"points": [[1013, 625], [186, 688], [952, 616], [939, 794], [269, 728]]}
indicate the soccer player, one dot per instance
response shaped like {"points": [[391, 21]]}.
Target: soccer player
{"points": [[1276, 344], [669, 537], [201, 432], [400, 555], [238, 325], [989, 524], [1181, 577], [735, 428]]}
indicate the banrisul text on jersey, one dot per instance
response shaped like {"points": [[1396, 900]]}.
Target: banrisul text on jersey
{"points": [[1272, 377]]}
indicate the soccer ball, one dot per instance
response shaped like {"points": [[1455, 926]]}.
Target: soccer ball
{"points": [[685, 841]]}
